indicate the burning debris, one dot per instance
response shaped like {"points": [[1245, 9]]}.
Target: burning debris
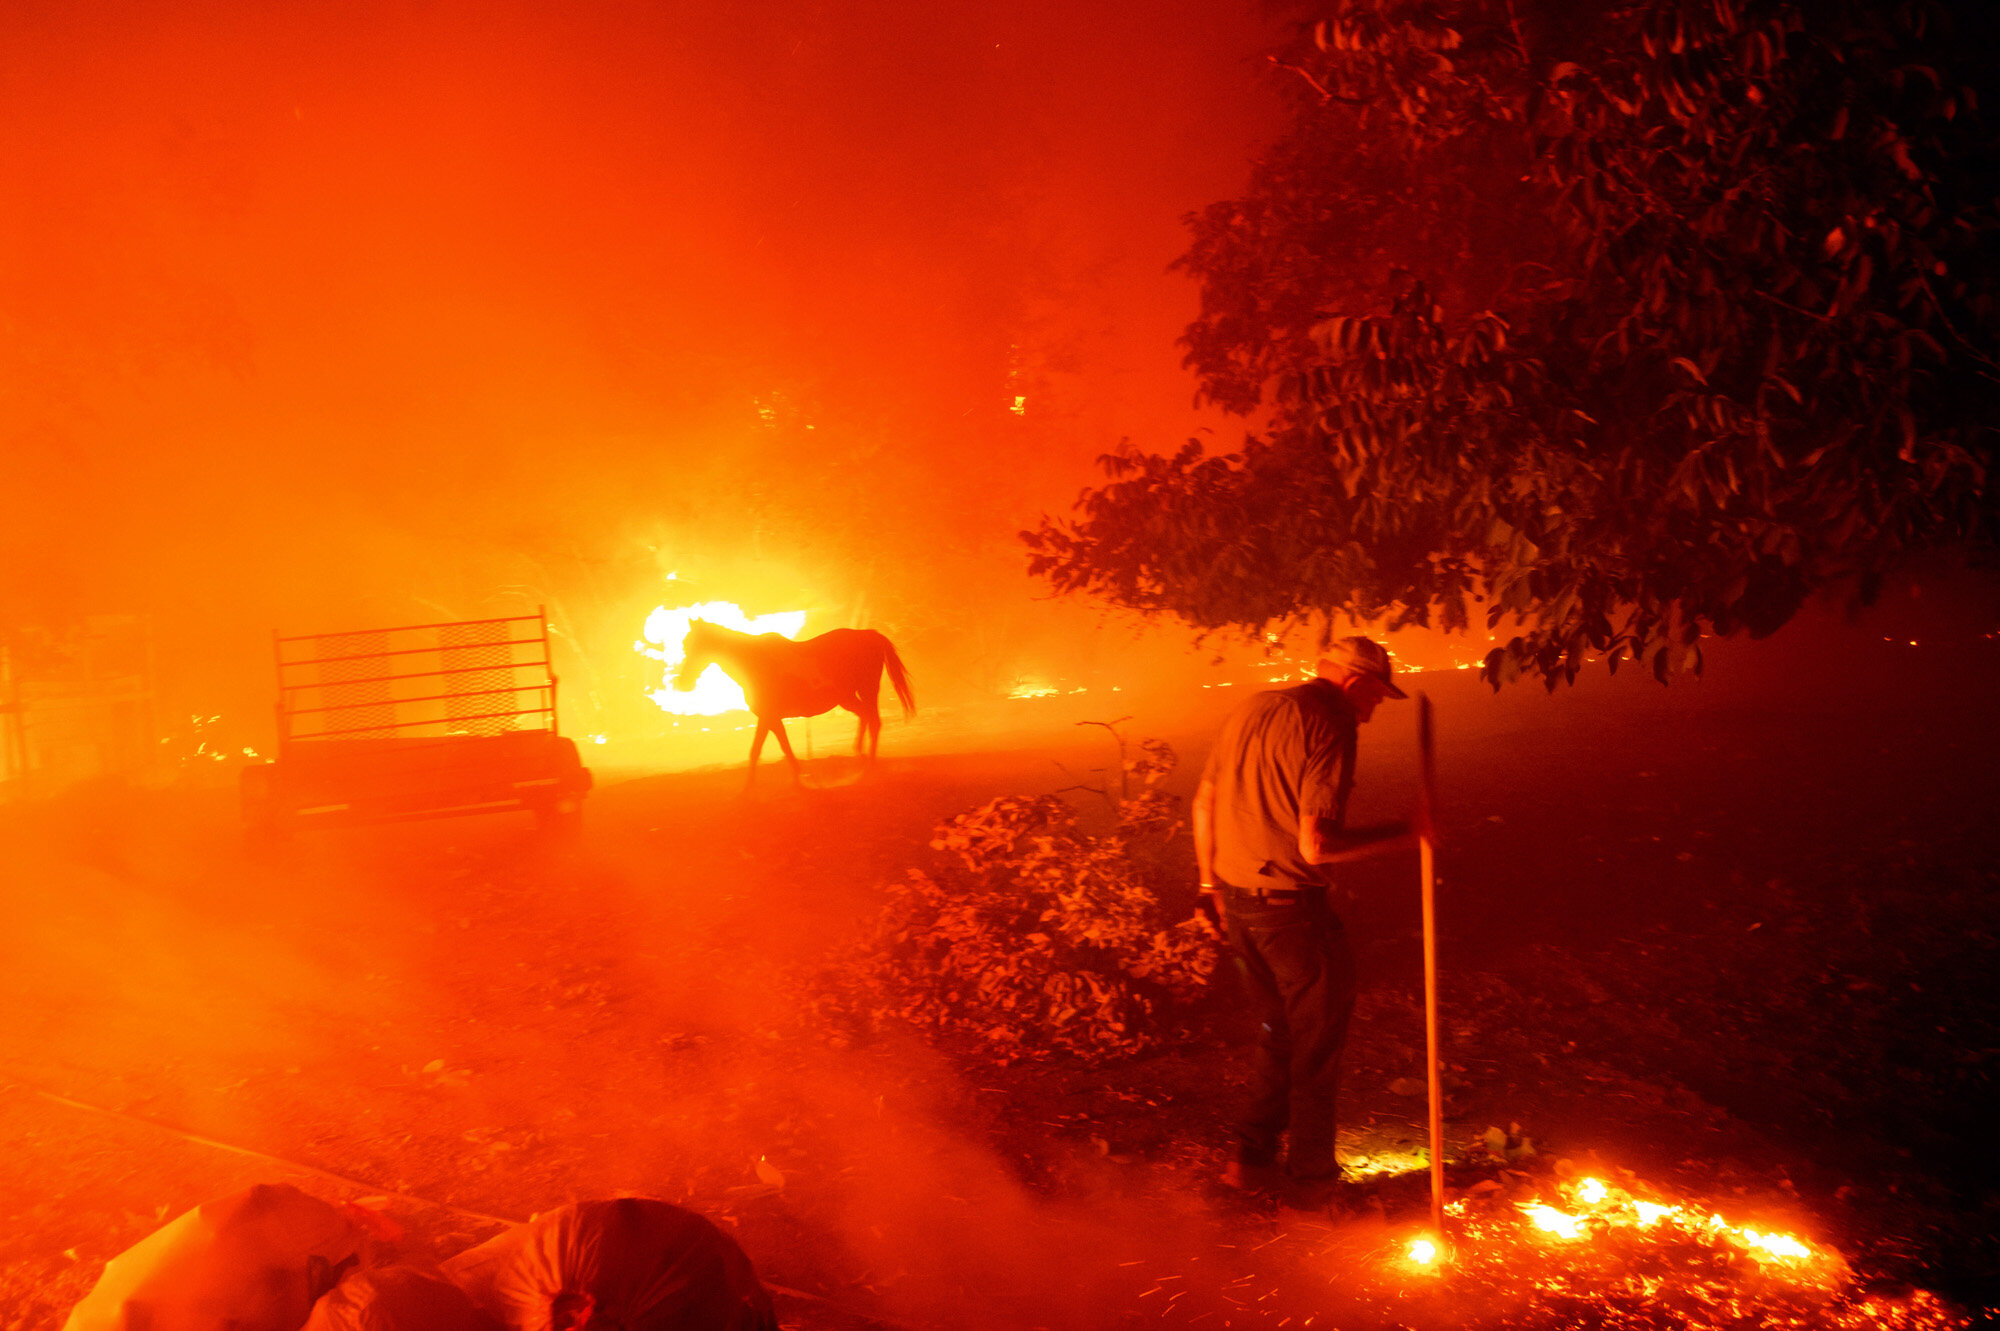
{"points": [[1583, 1250], [1564, 1250]]}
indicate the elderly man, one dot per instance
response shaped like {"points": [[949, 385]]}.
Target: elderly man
{"points": [[1269, 817]]}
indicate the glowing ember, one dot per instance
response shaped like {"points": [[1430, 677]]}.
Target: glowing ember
{"points": [[713, 692], [1588, 1253], [1652, 1213], [1552, 1220], [1622, 1209], [1781, 1246]]}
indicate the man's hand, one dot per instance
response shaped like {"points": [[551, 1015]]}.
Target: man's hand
{"points": [[1208, 906], [1323, 846], [1424, 826]]}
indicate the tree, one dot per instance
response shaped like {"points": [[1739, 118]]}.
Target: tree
{"points": [[1634, 321]]}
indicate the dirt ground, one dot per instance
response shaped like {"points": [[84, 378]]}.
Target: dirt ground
{"points": [[1736, 936]]}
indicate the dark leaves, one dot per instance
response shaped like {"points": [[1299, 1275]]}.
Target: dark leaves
{"points": [[1649, 345], [1031, 936]]}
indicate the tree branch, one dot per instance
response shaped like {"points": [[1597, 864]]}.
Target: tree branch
{"points": [[1325, 95]]}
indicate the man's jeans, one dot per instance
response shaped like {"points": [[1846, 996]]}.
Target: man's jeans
{"points": [[1299, 973]]}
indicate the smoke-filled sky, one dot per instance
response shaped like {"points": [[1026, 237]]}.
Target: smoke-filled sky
{"points": [[321, 315]]}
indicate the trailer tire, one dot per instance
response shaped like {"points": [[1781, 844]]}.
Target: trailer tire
{"points": [[560, 820], [264, 824]]}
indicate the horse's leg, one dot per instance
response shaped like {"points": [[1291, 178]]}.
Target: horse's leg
{"points": [[785, 743], [870, 716], [757, 749]]}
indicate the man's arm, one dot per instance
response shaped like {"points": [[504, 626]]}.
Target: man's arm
{"points": [[1324, 837], [1321, 843], [1204, 839]]}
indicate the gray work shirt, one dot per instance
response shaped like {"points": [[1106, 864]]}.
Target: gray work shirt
{"points": [[1283, 756]]}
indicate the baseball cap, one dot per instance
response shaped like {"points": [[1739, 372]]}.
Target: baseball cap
{"points": [[1361, 656]]}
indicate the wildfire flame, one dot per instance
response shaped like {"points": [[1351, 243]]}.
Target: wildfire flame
{"points": [[713, 692], [1559, 1223], [1588, 1252], [1606, 1208]]}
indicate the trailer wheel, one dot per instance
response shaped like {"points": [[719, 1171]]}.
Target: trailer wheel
{"points": [[264, 824], [561, 820]]}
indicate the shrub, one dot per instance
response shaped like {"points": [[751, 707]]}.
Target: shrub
{"points": [[1032, 936]]}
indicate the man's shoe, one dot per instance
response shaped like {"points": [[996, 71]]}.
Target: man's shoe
{"points": [[1252, 1178]]}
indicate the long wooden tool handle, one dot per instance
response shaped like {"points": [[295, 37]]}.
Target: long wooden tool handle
{"points": [[1427, 853]]}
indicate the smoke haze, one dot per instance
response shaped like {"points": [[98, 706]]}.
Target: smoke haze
{"points": [[321, 316]]}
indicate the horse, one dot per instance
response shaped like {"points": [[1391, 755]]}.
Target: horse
{"points": [[781, 678]]}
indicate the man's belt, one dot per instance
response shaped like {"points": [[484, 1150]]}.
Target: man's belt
{"points": [[1276, 896]]}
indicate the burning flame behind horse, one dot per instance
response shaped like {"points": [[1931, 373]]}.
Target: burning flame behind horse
{"points": [[781, 678]]}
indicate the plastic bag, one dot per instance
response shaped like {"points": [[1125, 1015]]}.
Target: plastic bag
{"points": [[633, 1263], [397, 1298], [252, 1261]]}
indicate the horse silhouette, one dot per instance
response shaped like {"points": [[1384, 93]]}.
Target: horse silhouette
{"points": [[781, 678]]}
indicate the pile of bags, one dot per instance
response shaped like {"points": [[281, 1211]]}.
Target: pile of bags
{"points": [[272, 1258]]}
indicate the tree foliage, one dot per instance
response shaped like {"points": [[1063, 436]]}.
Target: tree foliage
{"points": [[1632, 321]]}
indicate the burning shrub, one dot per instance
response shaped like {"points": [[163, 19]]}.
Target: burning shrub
{"points": [[1033, 936]]}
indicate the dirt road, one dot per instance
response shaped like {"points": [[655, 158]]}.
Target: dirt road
{"points": [[1737, 932]]}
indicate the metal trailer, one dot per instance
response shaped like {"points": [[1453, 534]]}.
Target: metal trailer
{"points": [[416, 721]]}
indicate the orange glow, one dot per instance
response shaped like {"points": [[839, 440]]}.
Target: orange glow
{"points": [[1585, 1239], [1600, 1204], [714, 692], [1559, 1223], [1782, 1247], [1652, 1213]]}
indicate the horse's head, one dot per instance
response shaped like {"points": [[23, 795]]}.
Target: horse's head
{"points": [[697, 651]]}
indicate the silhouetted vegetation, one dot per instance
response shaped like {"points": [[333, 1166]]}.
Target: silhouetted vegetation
{"points": [[1632, 322]]}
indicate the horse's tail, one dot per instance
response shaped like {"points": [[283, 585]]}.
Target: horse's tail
{"points": [[899, 678]]}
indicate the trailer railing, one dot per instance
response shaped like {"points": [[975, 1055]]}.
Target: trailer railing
{"points": [[452, 678]]}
